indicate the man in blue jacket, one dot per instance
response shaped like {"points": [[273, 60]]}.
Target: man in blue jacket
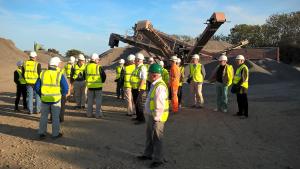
{"points": [[51, 86]]}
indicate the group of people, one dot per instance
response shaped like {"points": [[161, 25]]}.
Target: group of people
{"points": [[52, 87]]}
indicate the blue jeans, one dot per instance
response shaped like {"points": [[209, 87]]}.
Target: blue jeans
{"points": [[29, 99], [222, 96], [55, 110]]}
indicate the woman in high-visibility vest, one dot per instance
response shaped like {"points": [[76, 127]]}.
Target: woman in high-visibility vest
{"points": [[240, 82], [21, 86]]}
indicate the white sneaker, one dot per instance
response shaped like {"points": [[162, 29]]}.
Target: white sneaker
{"points": [[216, 109], [225, 111]]}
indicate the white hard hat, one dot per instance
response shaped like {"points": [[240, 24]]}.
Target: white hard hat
{"points": [[161, 63], [54, 61], [72, 59], [95, 56], [174, 58], [140, 56], [131, 57], [223, 58], [240, 57], [81, 57], [20, 63], [121, 61], [151, 59], [33, 54], [178, 60], [196, 56]]}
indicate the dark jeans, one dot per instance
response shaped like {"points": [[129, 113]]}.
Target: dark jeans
{"points": [[21, 90], [120, 90], [138, 102], [242, 104], [179, 94]]}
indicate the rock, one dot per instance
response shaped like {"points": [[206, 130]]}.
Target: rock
{"points": [[66, 147]]}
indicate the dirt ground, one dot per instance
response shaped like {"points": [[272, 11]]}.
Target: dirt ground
{"points": [[194, 138]]}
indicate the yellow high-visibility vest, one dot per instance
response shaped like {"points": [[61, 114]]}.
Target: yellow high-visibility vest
{"points": [[229, 71], [93, 77], [135, 79], [128, 72], [196, 72], [50, 85], [165, 114], [78, 70], [67, 69], [165, 75], [181, 75], [238, 75], [118, 71], [21, 78], [31, 74]]}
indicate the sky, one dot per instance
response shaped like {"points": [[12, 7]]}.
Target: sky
{"points": [[86, 24]]}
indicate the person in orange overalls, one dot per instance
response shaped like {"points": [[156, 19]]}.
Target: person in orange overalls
{"points": [[174, 83]]}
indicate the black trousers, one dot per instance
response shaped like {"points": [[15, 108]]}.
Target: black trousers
{"points": [[179, 94], [242, 100], [21, 90], [138, 102], [120, 90]]}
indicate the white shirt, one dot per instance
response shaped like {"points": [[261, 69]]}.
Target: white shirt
{"points": [[160, 97], [143, 73]]}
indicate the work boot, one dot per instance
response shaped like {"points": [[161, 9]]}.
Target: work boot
{"points": [[143, 158], [58, 136], [156, 164]]}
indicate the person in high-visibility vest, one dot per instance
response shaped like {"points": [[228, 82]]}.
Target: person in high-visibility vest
{"points": [[157, 109], [67, 71], [181, 68], [95, 77], [222, 75], [240, 82], [120, 79], [174, 83], [21, 86], [78, 79], [31, 70], [129, 68], [51, 86], [196, 76], [138, 84], [165, 74]]}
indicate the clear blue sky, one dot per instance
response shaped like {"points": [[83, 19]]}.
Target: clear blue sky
{"points": [[87, 24]]}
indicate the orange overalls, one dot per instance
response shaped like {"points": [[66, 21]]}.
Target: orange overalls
{"points": [[174, 85]]}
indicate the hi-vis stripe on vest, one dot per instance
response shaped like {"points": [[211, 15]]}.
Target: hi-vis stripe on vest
{"points": [[181, 75], [50, 86], [128, 72], [31, 74], [67, 69], [196, 72], [78, 70], [93, 77], [135, 78], [238, 75], [118, 71], [165, 114], [21, 78]]}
